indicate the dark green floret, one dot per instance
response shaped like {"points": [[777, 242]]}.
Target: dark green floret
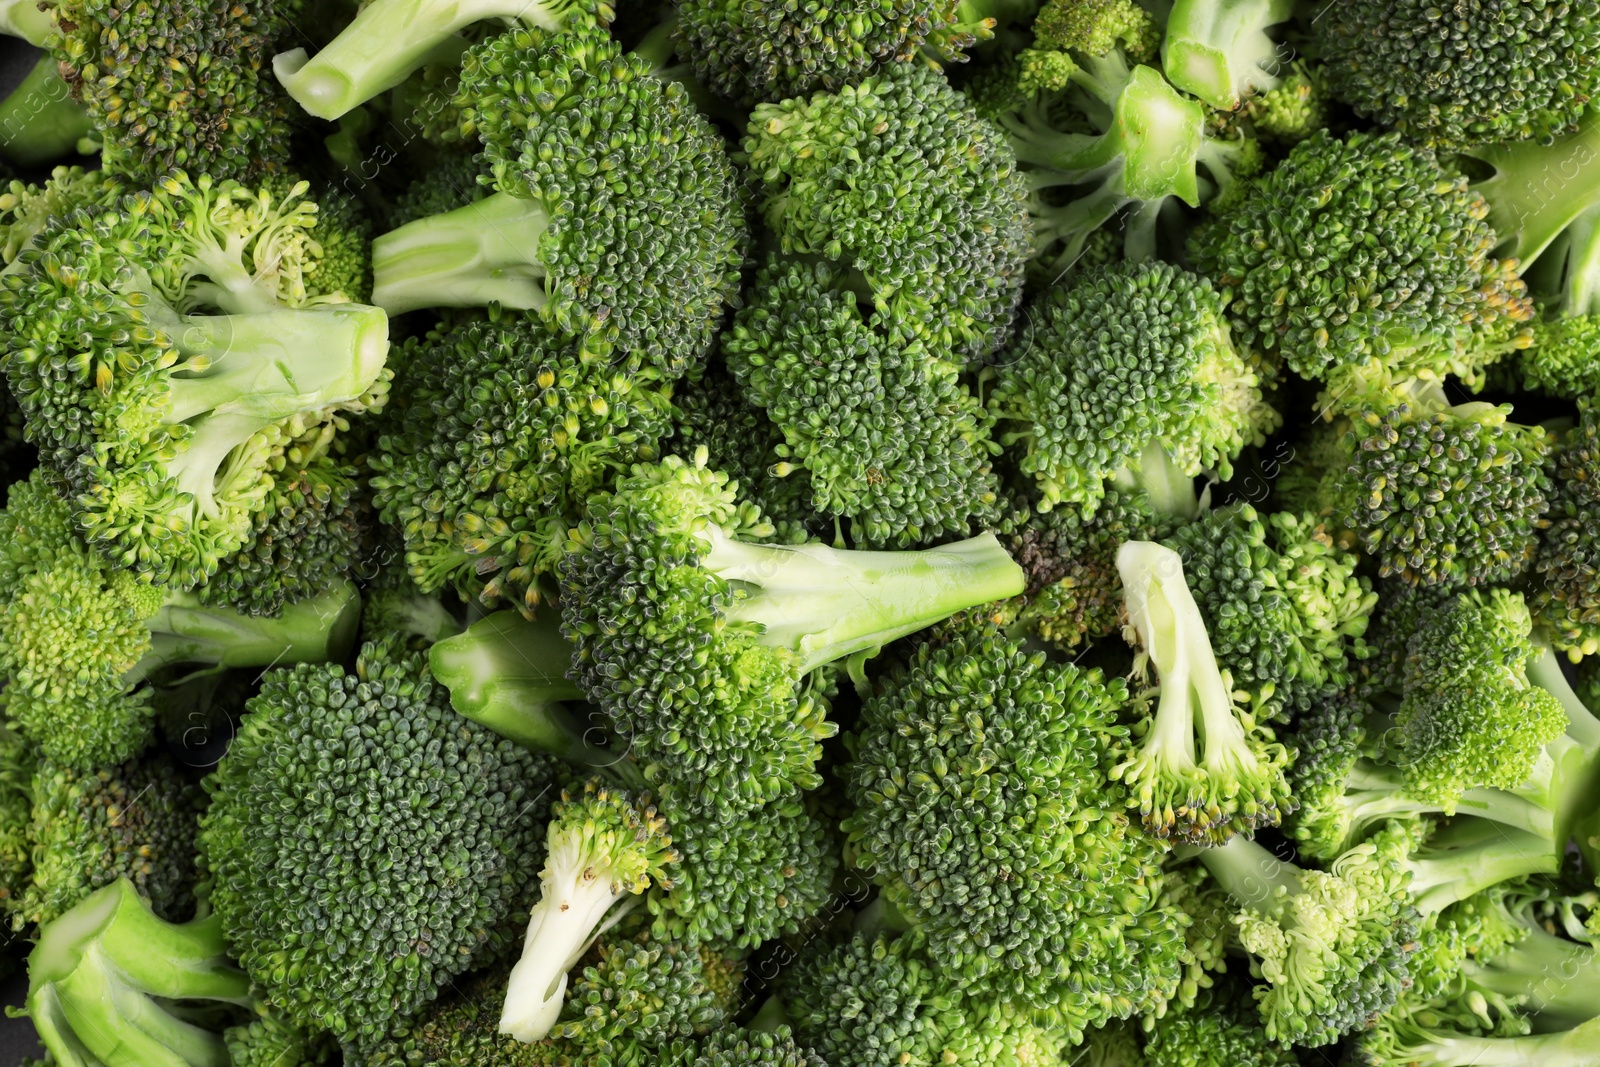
{"points": [[1219, 1030], [893, 442], [855, 176], [452, 184], [1564, 594], [422, 874]]}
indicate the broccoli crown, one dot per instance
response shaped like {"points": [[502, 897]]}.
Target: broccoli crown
{"points": [[864, 1000], [752, 53], [170, 85], [856, 175], [1560, 359], [1328, 739], [1283, 606], [269, 1041], [618, 215], [1219, 1030], [343, 235], [638, 991], [761, 877], [1096, 27], [460, 1029], [421, 879], [711, 412], [1119, 359], [734, 1047], [980, 778], [90, 828], [1442, 494], [1474, 74], [168, 447], [509, 430], [451, 184], [305, 539], [1331, 944], [1565, 597], [1365, 248], [1468, 715], [25, 209], [890, 436]]}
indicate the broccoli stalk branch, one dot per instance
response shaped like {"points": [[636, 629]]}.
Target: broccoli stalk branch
{"points": [[39, 121], [1471, 855], [1551, 978], [485, 251], [185, 631], [1538, 190], [1220, 52], [1578, 1047], [25, 19]]}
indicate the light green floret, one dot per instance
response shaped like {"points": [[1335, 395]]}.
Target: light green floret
{"points": [[166, 350], [1127, 375], [1197, 769]]}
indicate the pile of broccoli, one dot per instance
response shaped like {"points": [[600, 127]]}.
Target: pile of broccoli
{"points": [[901, 533]]}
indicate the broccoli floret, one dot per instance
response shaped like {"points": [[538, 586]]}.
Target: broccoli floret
{"points": [[167, 421], [660, 586], [617, 216], [1292, 111], [25, 210], [269, 1041], [1119, 364], [344, 235], [1366, 248], [1283, 606], [170, 85], [109, 982], [603, 849], [855, 176], [893, 442], [1220, 52], [509, 430], [450, 185], [710, 411], [39, 121], [1468, 74], [17, 765], [975, 735], [90, 828], [420, 876], [1197, 768], [79, 638], [1219, 1030], [389, 39], [1565, 279], [1565, 592], [1096, 27], [869, 999], [753, 53]]}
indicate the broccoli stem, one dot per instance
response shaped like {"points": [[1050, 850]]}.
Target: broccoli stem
{"points": [[1220, 51], [1471, 855], [1250, 874], [94, 974], [387, 41], [825, 604], [485, 251], [1578, 1047], [1554, 979], [509, 674], [1170, 491], [185, 631], [23, 18], [40, 122], [1538, 190], [1582, 726], [1375, 792]]}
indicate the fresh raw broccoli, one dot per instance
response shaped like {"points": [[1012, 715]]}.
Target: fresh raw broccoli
{"points": [[508, 431], [390, 39], [421, 876], [1426, 1043], [39, 121], [1439, 493], [755, 53], [452, 184], [631, 244], [26, 208], [17, 765], [1470, 74], [980, 776], [1198, 768], [1127, 376], [87, 829], [173, 86], [1366, 248], [869, 998], [1564, 593], [706, 649], [1284, 607], [895, 445], [856, 176], [710, 411], [1220, 52], [27, 20], [167, 420], [110, 983], [1219, 1030], [80, 639]]}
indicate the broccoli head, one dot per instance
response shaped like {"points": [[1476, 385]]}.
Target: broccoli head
{"points": [[1219, 1030], [1564, 594]]}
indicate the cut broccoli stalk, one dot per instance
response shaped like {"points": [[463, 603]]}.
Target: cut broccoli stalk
{"points": [[25, 19], [509, 674], [1199, 773], [388, 40], [101, 978], [1220, 51], [826, 604], [1539, 190], [40, 122], [603, 852], [485, 251], [185, 631], [1427, 1047]]}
